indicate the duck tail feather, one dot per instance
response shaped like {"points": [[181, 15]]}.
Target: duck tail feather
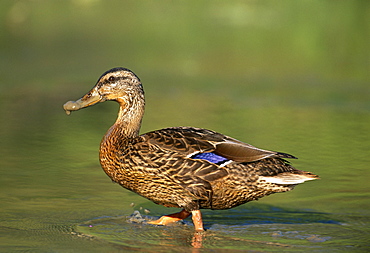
{"points": [[287, 178], [285, 155]]}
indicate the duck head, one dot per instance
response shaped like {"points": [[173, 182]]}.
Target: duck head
{"points": [[117, 84]]}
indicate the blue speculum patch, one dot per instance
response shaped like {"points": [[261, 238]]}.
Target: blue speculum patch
{"points": [[211, 157]]}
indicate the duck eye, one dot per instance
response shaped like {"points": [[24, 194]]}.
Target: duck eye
{"points": [[111, 78]]}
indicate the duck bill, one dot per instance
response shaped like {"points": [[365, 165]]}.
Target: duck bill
{"points": [[89, 99]]}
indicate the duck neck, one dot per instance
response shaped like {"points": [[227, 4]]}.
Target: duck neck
{"points": [[128, 122], [126, 127]]}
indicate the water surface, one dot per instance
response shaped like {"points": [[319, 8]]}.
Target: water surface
{"points": [[265, 73]]}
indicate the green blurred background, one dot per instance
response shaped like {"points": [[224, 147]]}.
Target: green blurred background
{"points": [[291, 76]]}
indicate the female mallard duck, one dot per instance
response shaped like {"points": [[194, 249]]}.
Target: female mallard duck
{"points": [[185, 167]]}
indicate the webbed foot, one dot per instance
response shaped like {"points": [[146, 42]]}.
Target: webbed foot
{"points": [[171, 218]]}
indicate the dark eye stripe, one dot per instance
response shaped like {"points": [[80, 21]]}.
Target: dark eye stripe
{"points": [[114, 79]]}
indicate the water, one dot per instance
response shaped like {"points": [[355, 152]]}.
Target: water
{"points": [[306, 98], [55, 196]]}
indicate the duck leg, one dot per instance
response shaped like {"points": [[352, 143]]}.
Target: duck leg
{"points": [[167, 219], [197, 220]]}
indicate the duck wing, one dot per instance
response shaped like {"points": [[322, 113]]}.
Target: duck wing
{"points": [[193, 158], [190, 141]]}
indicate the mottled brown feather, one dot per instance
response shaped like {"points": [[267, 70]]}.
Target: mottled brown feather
{"points": [[160, 165]]}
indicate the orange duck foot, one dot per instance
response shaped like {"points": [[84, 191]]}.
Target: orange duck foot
{"points": [[171, 218], [167, 219]]}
